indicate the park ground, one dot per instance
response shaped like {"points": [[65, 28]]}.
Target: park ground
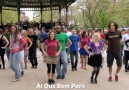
{"points": [[36, 79]]}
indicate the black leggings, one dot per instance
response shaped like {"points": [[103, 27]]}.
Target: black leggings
{"points": [[3, 61], [95, 72], [49, 68]]}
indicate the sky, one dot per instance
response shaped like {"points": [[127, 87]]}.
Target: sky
{"points": [[29, 14]]}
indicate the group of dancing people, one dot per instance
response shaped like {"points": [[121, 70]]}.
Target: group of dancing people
{"points": [[56, 47]]}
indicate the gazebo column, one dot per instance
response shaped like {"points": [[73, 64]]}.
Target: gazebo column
{"points": [[18, 12], [41, 10], [51, 5], [60, 13], [67, 15], [0, 13]]}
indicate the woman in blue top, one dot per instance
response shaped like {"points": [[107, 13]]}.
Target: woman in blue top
{"points": [[95, 59]]}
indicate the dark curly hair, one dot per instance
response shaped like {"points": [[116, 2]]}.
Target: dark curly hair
{"points": [[115, 24]]}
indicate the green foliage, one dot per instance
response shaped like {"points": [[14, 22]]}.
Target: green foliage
{"points": [[74, 26], [9, 16], [46, 15], [86, 14], [98, 14]]}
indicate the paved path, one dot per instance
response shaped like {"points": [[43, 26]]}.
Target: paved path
{"points": [[38, 78]]}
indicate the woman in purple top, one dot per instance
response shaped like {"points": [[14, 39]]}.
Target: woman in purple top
{"points": [[95, 58], [16, 45]]}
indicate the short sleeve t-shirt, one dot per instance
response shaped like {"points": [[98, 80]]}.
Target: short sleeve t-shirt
{"points": [[102, 35], [125, 38], [7, 36], [27, 41], [63, 39], [84, 41], [43, 37], [34, 39], [113, 39], [15, 45], [69, 34], [51, 47], [96, 49], [74, 40]]}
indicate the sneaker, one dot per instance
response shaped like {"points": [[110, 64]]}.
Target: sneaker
{"points": [[63, 76], [0, 66], [3, 68], [72, 69], [68, 61], [52, 81], [91, 80], [58, 77], [95, 81], [22, 73], [75, 69], [128, 67], [126, 70], [116, 78], [110, 79], [32, 67], [35, 67], [15, 80], [49, 81]]}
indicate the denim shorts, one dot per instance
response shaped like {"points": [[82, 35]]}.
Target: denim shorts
{"points": [[83, 52], [114, 55]]}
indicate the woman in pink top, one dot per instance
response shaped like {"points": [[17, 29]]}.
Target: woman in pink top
{"points": [[16, 45], [51, 55], [84, 40]]}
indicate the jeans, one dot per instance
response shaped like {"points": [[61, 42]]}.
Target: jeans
{"points": [[21, 57], [63, 58], [7, 52], [74, 63], [14, 63], [33, 57]]}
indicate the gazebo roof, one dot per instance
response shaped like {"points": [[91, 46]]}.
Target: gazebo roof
{"points": [[34, 5]]}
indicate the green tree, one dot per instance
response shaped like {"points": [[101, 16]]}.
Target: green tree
{"points": [[119, 12], [9, 16], [46, 15], [94, 13]]}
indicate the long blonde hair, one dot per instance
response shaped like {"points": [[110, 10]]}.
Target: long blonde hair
{"points": [[24, 33], [95, 35]]}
